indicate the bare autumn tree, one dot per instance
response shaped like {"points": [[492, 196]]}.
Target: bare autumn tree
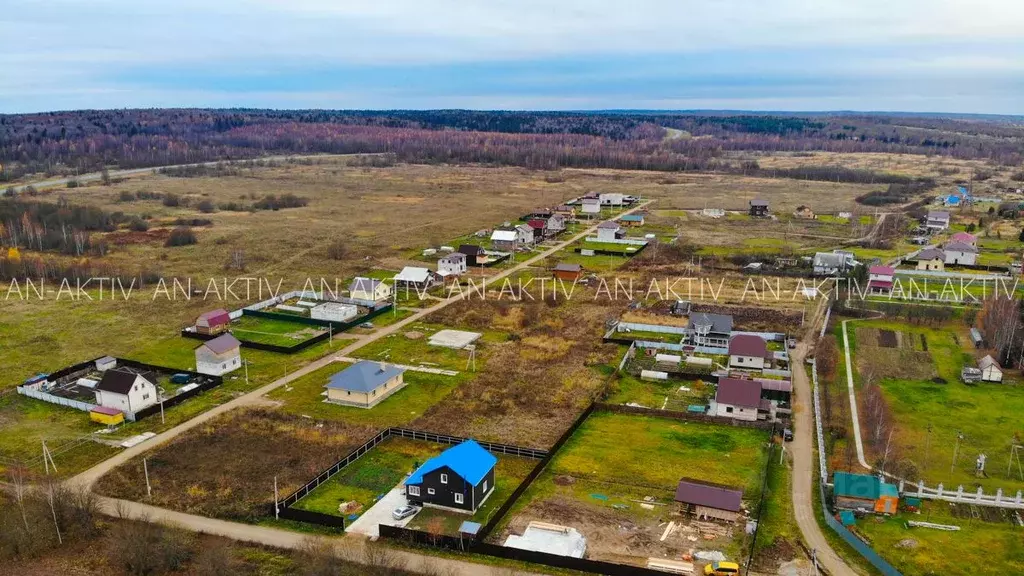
{"points": [[1000, 322]]}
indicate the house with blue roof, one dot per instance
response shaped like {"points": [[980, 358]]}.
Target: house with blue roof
{"points": [[460, 479], [364, 384]]}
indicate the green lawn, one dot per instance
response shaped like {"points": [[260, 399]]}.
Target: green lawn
{"points": [[709, 452], [402, 349], [986, 413], [978, 548], [272, 331], [652, 393], [304, 397], [371, 476], [27, 422]]}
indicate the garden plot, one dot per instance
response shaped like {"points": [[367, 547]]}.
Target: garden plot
{"points": [[305, 397], [986, 545], [928, 413], [359, 485], [273, 331], [226, 469], [621, 499], [412, 347], [894, 354]]}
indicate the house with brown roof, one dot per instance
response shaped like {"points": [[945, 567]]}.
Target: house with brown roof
{"points": [[709, 501], [738, 399], [219, 356], [473, 253], [608, 231], [213, 322], [747, 351], [931, 259], [567, 272], [881, 279], [960, 253]]}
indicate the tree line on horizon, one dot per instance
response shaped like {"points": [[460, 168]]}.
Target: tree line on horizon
{"points": [[86, 141]]}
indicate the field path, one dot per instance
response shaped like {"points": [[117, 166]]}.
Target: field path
{"points": [[273, 536]]}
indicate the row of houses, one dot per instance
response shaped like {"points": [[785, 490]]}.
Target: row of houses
{"points": [[962, 249]]}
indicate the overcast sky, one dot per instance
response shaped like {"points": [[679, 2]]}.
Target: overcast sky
{"points": [[907, 55]]}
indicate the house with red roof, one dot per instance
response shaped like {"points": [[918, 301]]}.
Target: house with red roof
{"points": [[738, 399], [747, 351], [965, 238], [880, 279], [219, 356], [213, 322]]}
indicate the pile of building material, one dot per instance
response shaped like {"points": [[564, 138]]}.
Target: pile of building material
{"points": [[334, 312], [670, 566], [551, 539], [456, 339]]}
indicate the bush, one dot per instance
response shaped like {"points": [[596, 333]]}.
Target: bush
{"points": [[272, 202], [127, 196], [337, 250], [206, 207], [172, 200], [138, 225], [73, 184], [181, 236], [146, 549]]}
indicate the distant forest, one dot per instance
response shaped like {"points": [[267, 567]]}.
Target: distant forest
{"points": [[86, 141]]}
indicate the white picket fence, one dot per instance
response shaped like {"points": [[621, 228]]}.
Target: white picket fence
{"points": [[978, 498]]}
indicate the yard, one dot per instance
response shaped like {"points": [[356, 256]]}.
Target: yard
{"points": [[981, 547], [621, 499], [671, 394], [369, 477], [273, 331], [27, 422], [918, 369], [412, 347], [304, 397]]}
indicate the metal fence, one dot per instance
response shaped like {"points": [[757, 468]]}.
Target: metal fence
{"points": [[32, 392]]}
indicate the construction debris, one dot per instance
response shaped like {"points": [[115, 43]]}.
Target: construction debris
{"points": [[915, 524], [668, 530], [670, 566]]}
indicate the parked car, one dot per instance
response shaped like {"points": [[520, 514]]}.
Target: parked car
{"points": [[722, 569], [791, 343], [787, 435], [403, 512], [368, 325]]}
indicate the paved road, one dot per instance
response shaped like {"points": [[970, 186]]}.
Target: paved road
{"points": [[804, 465], [247, 532]]}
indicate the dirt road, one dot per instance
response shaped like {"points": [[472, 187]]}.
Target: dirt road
{"points": [[248, 532], [804, 458]]}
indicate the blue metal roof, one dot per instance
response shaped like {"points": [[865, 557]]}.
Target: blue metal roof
{"points": [[953, 199], [631, 218], [469, 460], [363, 376]]}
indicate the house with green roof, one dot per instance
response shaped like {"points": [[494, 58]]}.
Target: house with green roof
{"points": [[864, 492]]}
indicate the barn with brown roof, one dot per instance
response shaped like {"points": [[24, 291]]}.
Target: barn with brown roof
{"points": [[709, 501]]}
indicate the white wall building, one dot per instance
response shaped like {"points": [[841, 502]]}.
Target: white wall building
{"points": [[960, 253], [453, 264], [219, 356], [125, 391], [612, 199], [334, 312]]}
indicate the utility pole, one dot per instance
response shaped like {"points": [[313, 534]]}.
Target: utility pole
{"points": [[956, 450], [145, 470], [277, 508], [245, 363]]}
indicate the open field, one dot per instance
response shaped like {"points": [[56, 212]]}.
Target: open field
{"points": [[923, 390], [629, 389], [596, 486], [989, 548], [304, 397], [227, 468]]}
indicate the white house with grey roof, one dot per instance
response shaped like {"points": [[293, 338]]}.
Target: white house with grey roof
{"points": [[219, 356], [960, 253], [832, 263], [363, 288], [126, 391], [365, 384], [453, 264], [608, 231], [711, 330], [937, 220]]}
